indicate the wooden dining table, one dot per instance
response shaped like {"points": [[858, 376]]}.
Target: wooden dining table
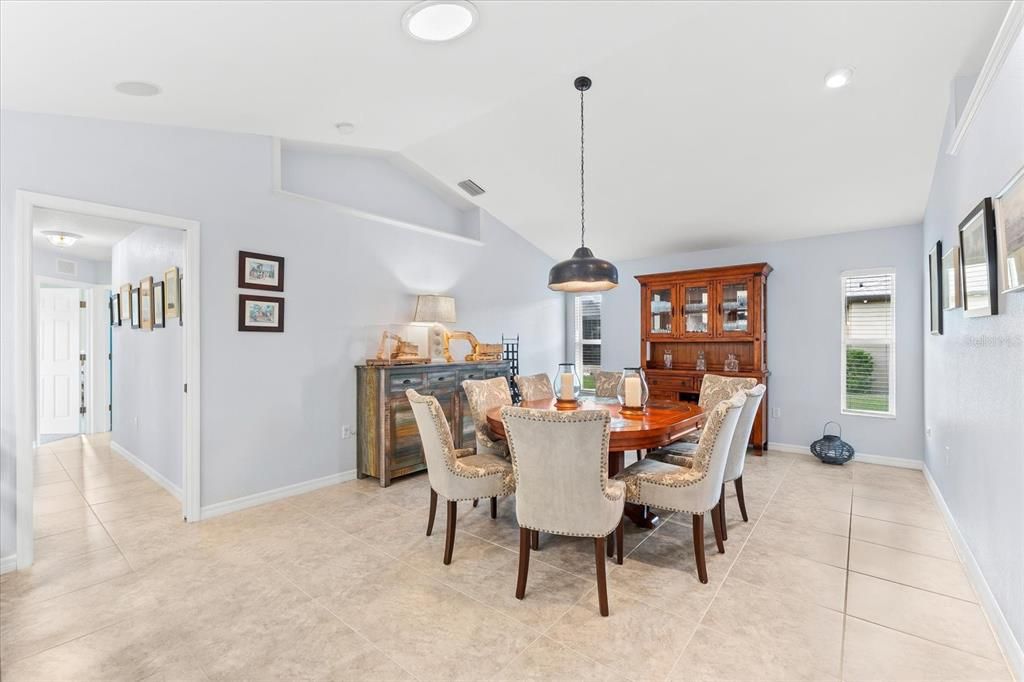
{"points": [[662, 423]]}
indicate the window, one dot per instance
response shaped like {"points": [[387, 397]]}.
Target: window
{"points": [[588, 338], [869, 343]]}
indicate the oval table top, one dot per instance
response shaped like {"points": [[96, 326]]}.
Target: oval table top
{"points": [[662, 424]]}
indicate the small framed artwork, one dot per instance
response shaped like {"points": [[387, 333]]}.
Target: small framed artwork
{"points": [[260, 313], [260, 271], [172, 293], [146, 304], [134, 297], [978, 261], [114, 306], [1009, 211], [158, 305], [935, 288], [125, 298], [951, 279]]}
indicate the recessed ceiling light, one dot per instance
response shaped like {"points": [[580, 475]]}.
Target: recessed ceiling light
{"points": [[137, 88], [436, 21], [345, 128], [838, 78], [62, 239]]}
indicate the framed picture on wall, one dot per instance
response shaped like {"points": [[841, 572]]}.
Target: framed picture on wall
{"points": [[260, 271], [172, 293], [134, 297], [1009, 211], [125, 299], [935, 288], [951, 279], [978, 261], [260, 313], [146, 304], [158, 305], [114, 304]]}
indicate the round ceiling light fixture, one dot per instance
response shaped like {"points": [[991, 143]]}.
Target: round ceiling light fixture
{"points": [[345, 128], [838, 78], [61, 238], [137, 88], [436, 21]]}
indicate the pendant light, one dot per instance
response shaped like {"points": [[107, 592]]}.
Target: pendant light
{"points": [[583, 272]]}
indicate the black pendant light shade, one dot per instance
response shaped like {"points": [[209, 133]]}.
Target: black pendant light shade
{"points": [[583, 272]]}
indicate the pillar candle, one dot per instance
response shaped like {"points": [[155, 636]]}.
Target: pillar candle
{"points": [[632, 386], [566, 392]]}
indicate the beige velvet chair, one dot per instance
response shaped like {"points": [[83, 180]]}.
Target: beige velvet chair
{"points": [[456, 475], [485, 395], [562, 487], [696, 489], [713, 390], [535, 387], [737, 453], [606, 384]]}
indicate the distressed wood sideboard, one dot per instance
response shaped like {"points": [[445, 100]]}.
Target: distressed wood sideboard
{"points": [[388, 440]]}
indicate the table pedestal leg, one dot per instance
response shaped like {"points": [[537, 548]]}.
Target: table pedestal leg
{"points": [[639, 514]]}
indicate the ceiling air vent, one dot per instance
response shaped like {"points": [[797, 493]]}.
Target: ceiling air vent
{"points": [[471, 188], [67, 267]]}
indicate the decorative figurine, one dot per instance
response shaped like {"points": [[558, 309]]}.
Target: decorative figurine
{"points": [[732, 364], [702, 364], [667, 359]]}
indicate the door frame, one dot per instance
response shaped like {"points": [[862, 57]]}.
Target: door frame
{"points": [[25, 350]]}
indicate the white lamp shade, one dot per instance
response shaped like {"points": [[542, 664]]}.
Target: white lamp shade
{"points": [[431, 308]]}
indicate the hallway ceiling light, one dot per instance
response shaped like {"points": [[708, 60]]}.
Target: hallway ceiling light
{"points": [[436, 21], [137, 88], [838, 78], [61, 239]]}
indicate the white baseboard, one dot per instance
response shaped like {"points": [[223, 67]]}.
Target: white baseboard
{"points": [[8, 563], [146, 469], [1004, 635], [883, 460], [240, 503]]}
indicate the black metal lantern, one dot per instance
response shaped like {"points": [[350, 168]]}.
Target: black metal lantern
{"points": [[584, 271]]}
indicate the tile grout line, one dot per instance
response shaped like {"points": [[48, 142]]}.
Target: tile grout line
{"points": [[846, 595], [932, 641]]}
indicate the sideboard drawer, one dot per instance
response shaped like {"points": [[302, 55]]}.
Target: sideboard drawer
{"points": [[476, 374], [400, 382], [440, 380]]}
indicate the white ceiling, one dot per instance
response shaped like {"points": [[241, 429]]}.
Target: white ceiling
{"points": [[708, 123], [98, 234]]}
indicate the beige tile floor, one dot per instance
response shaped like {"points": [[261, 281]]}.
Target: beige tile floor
{"points": [[841, 573]]}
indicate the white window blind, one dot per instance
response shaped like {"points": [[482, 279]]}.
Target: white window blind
{"points": [[588, 337], [869, 344]]}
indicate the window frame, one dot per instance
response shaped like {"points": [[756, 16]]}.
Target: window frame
{"points": [[843, 409], [578, 341]]}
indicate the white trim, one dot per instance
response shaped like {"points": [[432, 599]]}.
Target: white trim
{"points": [[867, 272], [359, 213], [862, 457], [1000, 50], [1012, 651], [159, 478], [25, 350], [240, 503], [8, 563]]}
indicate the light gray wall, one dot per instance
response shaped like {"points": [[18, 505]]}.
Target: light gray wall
{"points": [[974, 372], [44, 263], [804, 326], [146, 365], [273, 404]]}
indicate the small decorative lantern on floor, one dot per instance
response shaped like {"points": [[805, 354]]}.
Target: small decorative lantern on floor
{"points": [[832, 449], [632, 392], [567, 386]]}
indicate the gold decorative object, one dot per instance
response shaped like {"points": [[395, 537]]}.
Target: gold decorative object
{"points": [[481, 352], [404, 352]]}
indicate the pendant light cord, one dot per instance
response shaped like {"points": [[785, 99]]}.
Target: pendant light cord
{"points": [[583, 204]]}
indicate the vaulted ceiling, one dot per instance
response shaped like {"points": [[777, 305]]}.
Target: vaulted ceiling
{"points": [[708, 123]]}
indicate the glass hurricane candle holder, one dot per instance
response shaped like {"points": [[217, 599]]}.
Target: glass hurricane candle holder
{"points": [[632, 391], [567, 384]]}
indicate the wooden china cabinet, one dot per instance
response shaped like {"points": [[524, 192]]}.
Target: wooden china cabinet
{"points": [[720, 311]]}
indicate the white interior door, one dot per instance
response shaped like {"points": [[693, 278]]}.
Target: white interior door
{"points": [[59, 348]]}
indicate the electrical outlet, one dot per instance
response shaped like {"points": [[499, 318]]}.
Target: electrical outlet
{"points": [[776, 412], [347, 432]]}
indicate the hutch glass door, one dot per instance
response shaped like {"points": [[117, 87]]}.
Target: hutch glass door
{"points": [[734, 307], [661, 308], [696, 310]]}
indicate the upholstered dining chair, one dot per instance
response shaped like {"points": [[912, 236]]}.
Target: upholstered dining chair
{"points": [[696, 489], [562, 487], [737, 453], [484, 395], [456, 475], [713, 390], [606, 384], [535, 387]]}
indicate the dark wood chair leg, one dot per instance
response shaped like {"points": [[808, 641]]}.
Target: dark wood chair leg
{"points": [[449, 536], [494, 507], [602, 582], [476, 503], [619, 542], [739, 497], [525, 540], [535, 539], [609, 544], [433, 512], [698, 547], [716, 522], [721, 514]]}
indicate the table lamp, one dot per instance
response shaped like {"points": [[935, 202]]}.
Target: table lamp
{"points": [[435, 311]]}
